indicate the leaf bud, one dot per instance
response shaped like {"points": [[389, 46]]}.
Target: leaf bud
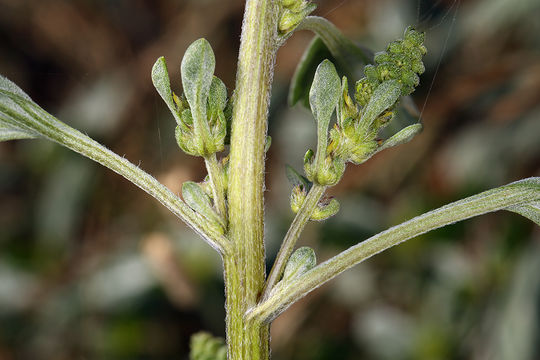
{"points": [[200, 202], [325, 209], [300, 262]]}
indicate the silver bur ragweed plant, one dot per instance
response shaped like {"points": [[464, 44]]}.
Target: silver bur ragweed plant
{"points": [[351, 114]]}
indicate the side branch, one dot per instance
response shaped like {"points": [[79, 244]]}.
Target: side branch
{"points": [[518, 193], [22, 113], [296, 228]]}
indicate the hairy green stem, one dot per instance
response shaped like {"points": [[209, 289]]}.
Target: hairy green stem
{"points": [[46, 125], [520, 192], [296, 228], [216, 182], [246, 179]]}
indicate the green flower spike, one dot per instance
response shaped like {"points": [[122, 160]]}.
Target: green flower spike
{"points": [[395, 74]]}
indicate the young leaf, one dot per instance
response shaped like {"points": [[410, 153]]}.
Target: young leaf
{"points": [[296, 179], [323, 98], [199, 201], [305, 70], [402, 137], [384, 96], [324, 94], [162, 83], [204, 346], [217, 95], [302, 260], [197, 70]]}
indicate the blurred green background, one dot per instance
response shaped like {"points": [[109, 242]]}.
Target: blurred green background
{"points": [[92, 268]]}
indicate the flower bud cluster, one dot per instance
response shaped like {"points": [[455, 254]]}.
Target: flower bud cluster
{"points": [[354, 137], [201, 112], [292, 14], [326, 208], [402, 61]]}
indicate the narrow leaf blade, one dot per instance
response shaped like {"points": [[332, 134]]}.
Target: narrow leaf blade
{"points": [[162, 83], [531, 211], [325, 93], [197, 69]]}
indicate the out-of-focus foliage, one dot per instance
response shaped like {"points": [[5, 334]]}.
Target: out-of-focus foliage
{"points": [[90, 267]]}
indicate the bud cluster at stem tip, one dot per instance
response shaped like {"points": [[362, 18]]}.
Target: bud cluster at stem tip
{"points": [[292, 14], [354, 137], [201, 112]]}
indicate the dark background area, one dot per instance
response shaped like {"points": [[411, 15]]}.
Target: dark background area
{"points": [[92, 268]]}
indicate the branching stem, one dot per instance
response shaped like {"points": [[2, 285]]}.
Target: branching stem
{"points": [[520, 192], [297, 226], [216, 182]]}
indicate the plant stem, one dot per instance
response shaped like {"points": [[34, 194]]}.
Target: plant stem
{"points": [[520, 192], [244, 268], [296, 228], [216, 182], [44, 124]]}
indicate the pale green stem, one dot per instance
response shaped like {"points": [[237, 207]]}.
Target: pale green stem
{"points": [[246, 180], [297, 226], [216, 182], [520, 192], [48, 126]]}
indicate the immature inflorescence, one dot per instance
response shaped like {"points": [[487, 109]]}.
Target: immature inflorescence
{"points": [[354, 137], [203, 115], [292, 14]]}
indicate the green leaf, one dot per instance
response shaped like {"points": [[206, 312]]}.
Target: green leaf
{"points": [[204, 346], [531, 211], [217, 96], [296, 179], [302, 260], [197, 70], [317, 51], [10, 133], [324, 95], [199, 201], [162, 83], [20, 116], [11, 112], [402, 137], [384, 97]]}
